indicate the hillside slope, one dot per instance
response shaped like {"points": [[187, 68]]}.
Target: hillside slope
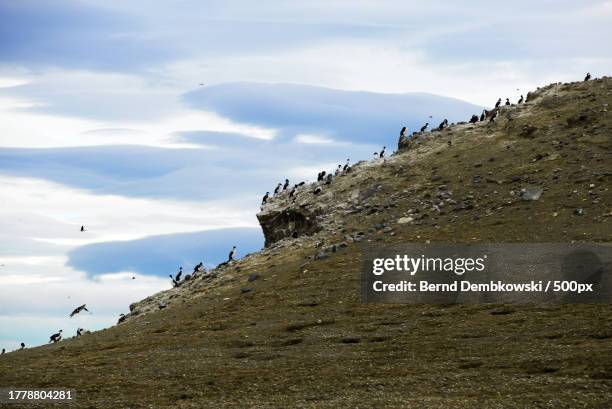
{"points": [[285, 327]]}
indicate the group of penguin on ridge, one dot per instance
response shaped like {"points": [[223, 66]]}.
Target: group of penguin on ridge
{"points": [[491, 115], [198, 269], [326, 178], [323, 176]]}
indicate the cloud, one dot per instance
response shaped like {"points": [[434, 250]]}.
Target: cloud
{"points": [[352, 116], [161, 255], [312, 139]]}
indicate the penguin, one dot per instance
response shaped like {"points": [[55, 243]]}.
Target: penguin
{"points": [[277, 189], [382, 153], [424, 126], [521, 99], [449, 143], [317, 190], [329, 179], [483, 115], [338, 170], [83, 228], [286, 185], [265, 198], [122, 318], [199, 267], [161, 305], [507, 101], [79, 332], [403, 132], [321, 176], [293, 191], [474, 119], [375, 154], [78, 310], [179, 274], [301, 184], [22, 346], [3, 351], [493, 116], [232, 254], [56, 337], [498, 103], [346, 165], [174, 282], [588, 76]]}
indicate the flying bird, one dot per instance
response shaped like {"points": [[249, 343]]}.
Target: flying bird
{"points": [[78, 310]]}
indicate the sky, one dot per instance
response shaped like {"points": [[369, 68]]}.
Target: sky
{"points": [[160, 125]]}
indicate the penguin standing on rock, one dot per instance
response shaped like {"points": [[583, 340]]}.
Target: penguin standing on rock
{"points": [[346, 165], [3, 351], [474, 119], [493, 116], [338, 170], [277, 189], [521, 99], [22, 345], [286, 185], [294, 190], [588, 76], [403, 132], [179, 274], [174, 282], [382, 153], [329, 179], [498, 103], [79, 332], [483, 116], [232, 254], [122, 318], [265, 198], [317, 190], [507, 101], [56, 337], [424, 126]]}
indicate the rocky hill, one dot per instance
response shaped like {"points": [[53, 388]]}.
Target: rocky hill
{"points": [[284, 327]]}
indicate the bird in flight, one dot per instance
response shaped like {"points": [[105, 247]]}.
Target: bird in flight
{"points": [[78, 310]]}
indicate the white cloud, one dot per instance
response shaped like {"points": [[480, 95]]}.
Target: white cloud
{"points": [[106, 217], [312, 139]]}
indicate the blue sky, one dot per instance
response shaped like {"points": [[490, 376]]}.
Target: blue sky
{"points": [[104, 122]]}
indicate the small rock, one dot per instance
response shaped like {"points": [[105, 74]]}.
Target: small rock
{"points": [[404, 220], [321, 255], [253, 277], [531, 193]]}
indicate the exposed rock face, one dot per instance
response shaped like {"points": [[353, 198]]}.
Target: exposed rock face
{"points": [[278, 223]]}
